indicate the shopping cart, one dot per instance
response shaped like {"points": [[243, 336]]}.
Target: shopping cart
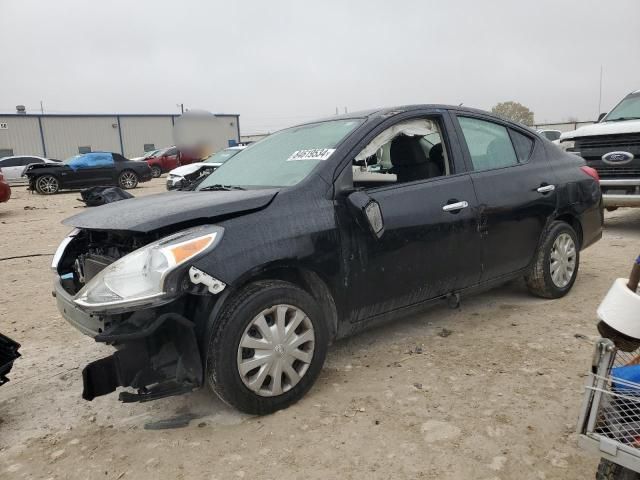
{"points": [[609, 423]]}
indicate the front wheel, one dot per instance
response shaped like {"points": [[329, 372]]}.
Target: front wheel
{"points": [[268, 347], [128, 179], [47, 185], [556, 262], [156, 171], [608, 470]]}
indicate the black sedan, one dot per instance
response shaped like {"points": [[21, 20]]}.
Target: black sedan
{"points": [[312, 234], [87, 170]]}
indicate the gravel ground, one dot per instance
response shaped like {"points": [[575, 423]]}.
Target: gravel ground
{"points": [[491, 390]]}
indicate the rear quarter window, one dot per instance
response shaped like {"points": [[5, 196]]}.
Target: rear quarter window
{"points": [[522, 144]]}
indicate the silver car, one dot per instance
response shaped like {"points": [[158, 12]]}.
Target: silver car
{"points": [[12, 167]]}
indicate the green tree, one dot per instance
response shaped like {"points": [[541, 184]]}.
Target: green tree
{"points": [[514, 111]]}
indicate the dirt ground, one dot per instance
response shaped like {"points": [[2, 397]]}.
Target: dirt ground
{"points": [[498, 398]]}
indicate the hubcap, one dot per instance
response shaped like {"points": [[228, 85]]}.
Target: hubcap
{"points": [[563, 260], [48, 184], [128, 180], [276, 350]]}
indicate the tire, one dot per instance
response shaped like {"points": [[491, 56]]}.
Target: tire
{"points": [[156, 171], [128, 179], [47, 185], [223, 371], [608, 470], [560, 242]]}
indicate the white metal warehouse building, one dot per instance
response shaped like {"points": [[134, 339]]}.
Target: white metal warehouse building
{"points": [[63, 135]]}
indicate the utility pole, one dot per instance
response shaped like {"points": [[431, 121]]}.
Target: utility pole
{"points": [[600, 96], [41, 108], [181, 105]]}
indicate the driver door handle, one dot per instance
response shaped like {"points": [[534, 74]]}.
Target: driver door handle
{"points": [[546, 188], [452, 207]]}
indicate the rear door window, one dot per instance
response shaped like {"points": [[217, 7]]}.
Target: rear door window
{"points": [[488, 143]]}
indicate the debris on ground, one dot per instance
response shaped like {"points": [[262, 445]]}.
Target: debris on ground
{"points": [[445, 332], [178, 421]]}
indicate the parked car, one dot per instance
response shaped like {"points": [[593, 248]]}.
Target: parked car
{"points": [[185, 175], [8, 354], [170, 158], [242, 283], [149, 154], [13, 167], [551, 135], [5, 190], [87, 170], [612, 147]]}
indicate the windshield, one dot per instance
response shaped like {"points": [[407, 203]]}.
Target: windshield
{"points": [[221, 156], [627, 109], [284, 158], [150, 154]]}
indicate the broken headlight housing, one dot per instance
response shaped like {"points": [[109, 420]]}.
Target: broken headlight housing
{"points": [[140, 277]]}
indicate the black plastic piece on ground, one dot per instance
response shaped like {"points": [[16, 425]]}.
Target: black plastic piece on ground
{"points": [[8, 353]]}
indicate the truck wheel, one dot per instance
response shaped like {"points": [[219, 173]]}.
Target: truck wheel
{"points": [[608, 470], [267, 348], [556, 262], [47, 185], [156, 171], [128, 179]]}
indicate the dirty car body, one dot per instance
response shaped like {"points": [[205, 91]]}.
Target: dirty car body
{"points": [[358, 219]]}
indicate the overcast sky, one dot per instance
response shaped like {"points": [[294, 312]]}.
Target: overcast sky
{"points": [[278, 63]]}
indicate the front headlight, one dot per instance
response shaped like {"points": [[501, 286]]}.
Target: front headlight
{"points": [[567, 144], [141, 276]]}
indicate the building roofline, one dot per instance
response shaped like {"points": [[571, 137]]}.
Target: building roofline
{"points": [[13, 114]]}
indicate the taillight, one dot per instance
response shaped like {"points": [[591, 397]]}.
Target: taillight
{"points": [[592, 172]]}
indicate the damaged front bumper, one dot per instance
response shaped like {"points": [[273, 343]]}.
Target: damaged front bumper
{"points": [[156, 353]]}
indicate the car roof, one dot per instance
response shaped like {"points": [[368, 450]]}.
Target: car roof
{"points": [[389, 111]]}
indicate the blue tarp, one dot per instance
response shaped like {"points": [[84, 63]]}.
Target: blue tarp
{"points": [[90, 160]]}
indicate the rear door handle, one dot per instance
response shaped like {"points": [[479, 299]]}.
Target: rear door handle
{"points": [[546, 188], [452, 207]]}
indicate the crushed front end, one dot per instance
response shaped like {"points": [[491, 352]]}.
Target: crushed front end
{"points": [[137, 293]]}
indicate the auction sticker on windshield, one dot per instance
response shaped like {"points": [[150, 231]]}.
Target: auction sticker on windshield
{"points": [[311, 154]]}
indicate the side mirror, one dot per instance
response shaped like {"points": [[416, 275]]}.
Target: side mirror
{"points": [[602, 115], [368, 212]]}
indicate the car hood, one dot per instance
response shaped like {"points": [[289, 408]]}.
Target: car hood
{"points": [[146, 214], [189, 169], [603, 128], [37, 166]]}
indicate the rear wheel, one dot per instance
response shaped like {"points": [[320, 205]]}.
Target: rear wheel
{"points": [[556, 262], [128, 179], [47, 185], [156, 171], [608, 470], [268, 347]]}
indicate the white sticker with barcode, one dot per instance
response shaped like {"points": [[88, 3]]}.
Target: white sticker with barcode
{"points": [[311, 154]]}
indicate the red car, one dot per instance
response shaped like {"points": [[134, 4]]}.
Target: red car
{"points": [[5, 190], [170, 158]]}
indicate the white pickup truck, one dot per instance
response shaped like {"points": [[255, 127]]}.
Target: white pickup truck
{"points": [[612, 147]]}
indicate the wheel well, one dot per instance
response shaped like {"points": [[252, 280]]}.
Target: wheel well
{"points": [[310, 282], [575, 224]]}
